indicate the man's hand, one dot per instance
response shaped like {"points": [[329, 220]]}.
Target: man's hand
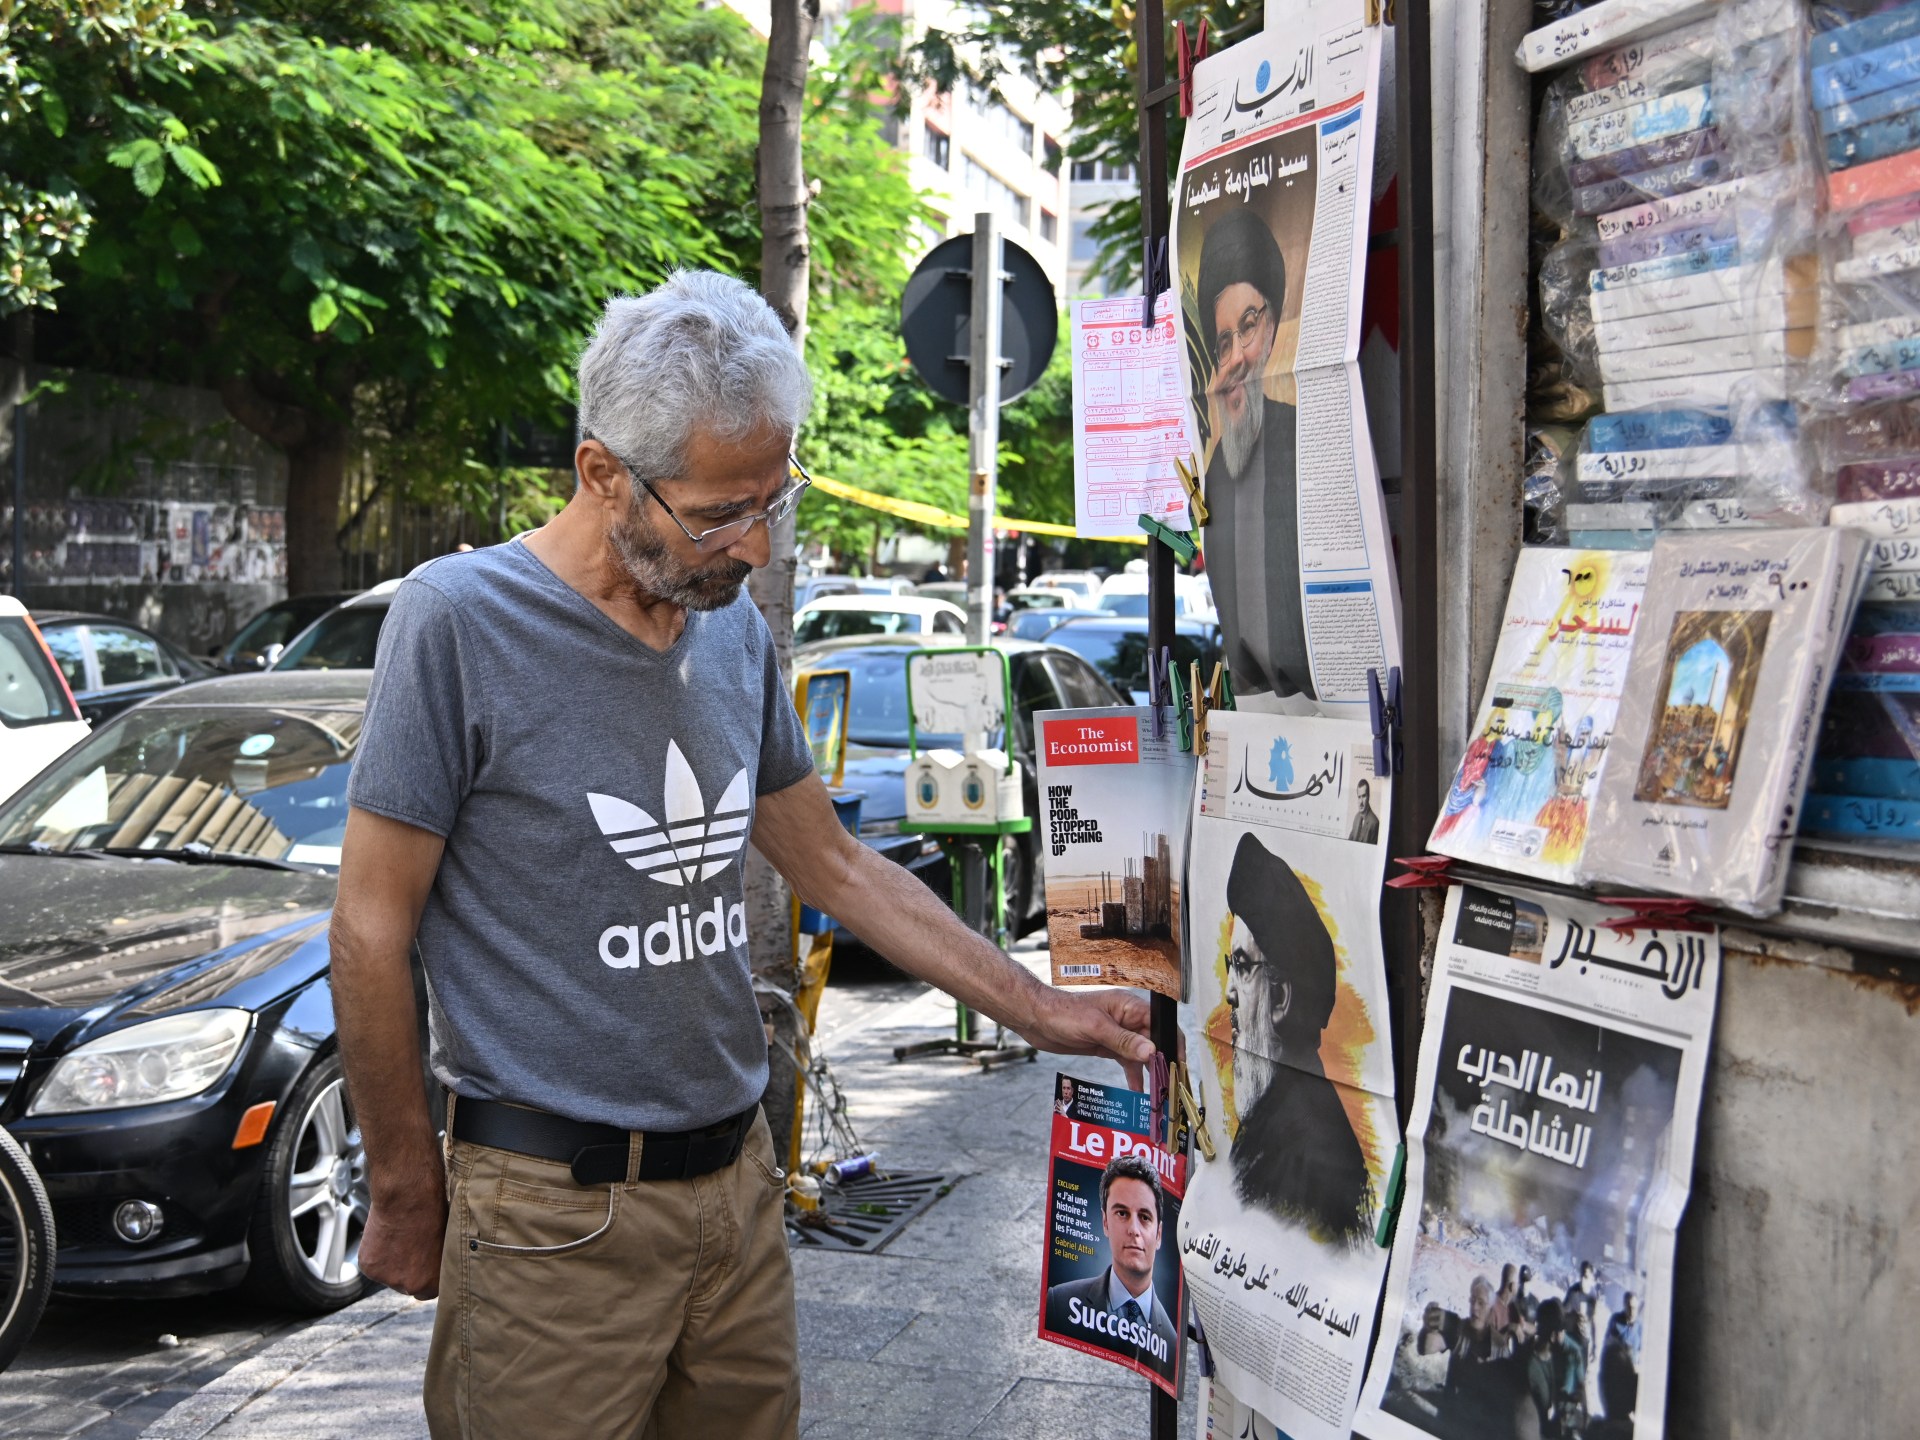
{"points": [[1112, 1024], [405, 1229]]}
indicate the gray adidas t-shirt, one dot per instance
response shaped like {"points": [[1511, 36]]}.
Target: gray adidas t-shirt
{"points": [[585, 941]]}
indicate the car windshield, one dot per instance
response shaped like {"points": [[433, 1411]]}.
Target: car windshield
{"points": [[877, 710], [1131, 607], [1121, 655], [257, 782], [342, 640], [839, 624], [270, 627]]}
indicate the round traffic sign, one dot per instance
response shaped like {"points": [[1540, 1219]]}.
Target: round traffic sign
{"points": [[936, 319]]}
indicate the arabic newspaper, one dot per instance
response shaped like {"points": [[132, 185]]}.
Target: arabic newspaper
{"points": [[1114, 803], [1290, 1062], [1525, 786], [1269, 243], [1559, 1089], [1129, 417], [1109, 1286]]}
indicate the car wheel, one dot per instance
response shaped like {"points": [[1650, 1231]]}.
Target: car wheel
{"points": [[26, 1249], [313, 1199], [1019, 886]]}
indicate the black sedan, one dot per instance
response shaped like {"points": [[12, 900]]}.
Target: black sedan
{"points": [[113, 664], [258, 643], [166, 1027], [1044, 678], [1116, 646]]}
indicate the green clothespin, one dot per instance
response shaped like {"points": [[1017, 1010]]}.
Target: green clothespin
{"points": [[1396, 1191], [1180, 711], [1181, 545]]}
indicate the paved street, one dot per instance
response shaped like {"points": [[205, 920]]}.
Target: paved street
{"points": [[102, 1369], [934, 1336]]}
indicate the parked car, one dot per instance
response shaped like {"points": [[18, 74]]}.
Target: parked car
{"points": [[166, 1025], [1044, 678], [1127, 595], [38, 717], [954, 592], [839, 616], [1038, 624], [1084, 585], [1040, 597], [1116, 646], [112, 664], [812, 587], [258, 643], [344, 637]]}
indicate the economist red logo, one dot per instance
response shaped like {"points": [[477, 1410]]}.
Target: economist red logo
{"points": [[1115, 741]]}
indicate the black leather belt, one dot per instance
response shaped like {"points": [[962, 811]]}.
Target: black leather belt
{"points": [[598, 1153]]}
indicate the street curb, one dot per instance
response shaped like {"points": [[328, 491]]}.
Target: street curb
{"points": [[220, 1399]]}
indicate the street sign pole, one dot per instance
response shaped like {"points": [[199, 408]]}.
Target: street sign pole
{"points": [[983, 423]]}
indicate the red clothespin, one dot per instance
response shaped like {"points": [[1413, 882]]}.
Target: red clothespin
{"points": [[1424, 872], [1655, 912], [1187, 54]]}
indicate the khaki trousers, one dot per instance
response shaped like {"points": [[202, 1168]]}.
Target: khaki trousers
{"points": [[656, 1310]]}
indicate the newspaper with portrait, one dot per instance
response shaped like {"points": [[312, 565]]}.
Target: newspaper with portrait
{"points": [[1555, 1111], [1271, 208], [1290, 1063], [1109, 1286]]}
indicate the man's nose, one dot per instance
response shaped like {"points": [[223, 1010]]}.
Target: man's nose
{"points": [[755, 547]]}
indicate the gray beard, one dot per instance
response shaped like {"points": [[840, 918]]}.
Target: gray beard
{"points": [[1240, 438], [1252, 1074], [657, 574]]}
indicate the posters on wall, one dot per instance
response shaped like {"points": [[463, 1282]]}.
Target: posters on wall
{"points": [[1111, 1282], [1113, 818], [1525, 786], [1129, 417], [1269, 245], [1290, 1061], [1554, 1118]]}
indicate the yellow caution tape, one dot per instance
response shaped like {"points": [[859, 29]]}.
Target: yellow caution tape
{"points": [[938, 519]]}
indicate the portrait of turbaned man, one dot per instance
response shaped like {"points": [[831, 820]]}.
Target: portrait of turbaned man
{"points": [[1120, 1308]]}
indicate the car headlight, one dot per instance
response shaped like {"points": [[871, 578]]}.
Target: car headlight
{"points": [[165, 1059], [872, 829]]}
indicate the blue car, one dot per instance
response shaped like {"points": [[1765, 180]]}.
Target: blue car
{"points": [[1044, 677]]}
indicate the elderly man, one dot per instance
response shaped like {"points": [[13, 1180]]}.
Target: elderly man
{"points": [[1253, 539], [1133, 1217], [1366, 823], [1295, 1152], [570, 740]]}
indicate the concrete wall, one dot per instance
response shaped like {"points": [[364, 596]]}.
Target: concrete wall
{"points": [[145, 501]]}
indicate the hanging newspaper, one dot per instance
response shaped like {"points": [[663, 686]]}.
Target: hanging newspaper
{"points": [[1290, 1062], [1129, 417], [1108, 1286], [1559, 1090], [1269, 240], [1113, 812]]}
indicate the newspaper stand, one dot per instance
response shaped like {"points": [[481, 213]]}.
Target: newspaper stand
{"points": [[969, 801]]}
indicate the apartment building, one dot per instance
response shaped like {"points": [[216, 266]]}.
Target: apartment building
{"points": [[1093, 185]]}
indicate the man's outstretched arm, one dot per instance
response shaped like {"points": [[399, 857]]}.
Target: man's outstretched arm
{"points": [[889, 909], [386, 873]]}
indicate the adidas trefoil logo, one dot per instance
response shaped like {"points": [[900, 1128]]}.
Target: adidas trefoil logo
{"points": [[682, 850]]}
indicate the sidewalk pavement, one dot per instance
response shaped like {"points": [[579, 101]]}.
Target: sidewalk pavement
{"points": [[934, 1336]]}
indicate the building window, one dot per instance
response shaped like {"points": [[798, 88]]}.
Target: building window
{"points": [[1049, 227], [1001, 121], [1119, 173], [1050, 153], [938, 147], [1085, 247], [1083, 171], [993, 193]]}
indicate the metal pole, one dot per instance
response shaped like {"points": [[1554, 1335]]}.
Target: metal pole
{"points": [[983, 424], [20, 502], [1417, 787], [1151, 43]]}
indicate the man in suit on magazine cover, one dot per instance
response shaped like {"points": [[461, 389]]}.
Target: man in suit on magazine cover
{"points": [[1132, 1214]]}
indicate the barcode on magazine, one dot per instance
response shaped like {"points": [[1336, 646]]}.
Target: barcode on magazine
{"points": [[1075, 972]]}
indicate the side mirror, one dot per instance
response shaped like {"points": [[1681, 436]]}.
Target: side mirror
{"points": [[270, 656]]}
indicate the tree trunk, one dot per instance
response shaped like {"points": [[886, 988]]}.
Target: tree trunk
{"points": [[316, 472], [784, 267]]}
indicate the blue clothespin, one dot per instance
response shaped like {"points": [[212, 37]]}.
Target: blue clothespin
{"points": [[1159, 687], [1157, 1109], [1389, 745], [1181, 545]]}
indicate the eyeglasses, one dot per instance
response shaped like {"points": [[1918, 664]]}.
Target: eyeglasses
{"points": [[1243, 334], [1244, 966], [720, 537]]}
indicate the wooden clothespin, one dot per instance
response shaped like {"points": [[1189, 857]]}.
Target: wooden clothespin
{"points": [[1199, 703], [1189, 472], [1188, 1116], [1188, 52]]}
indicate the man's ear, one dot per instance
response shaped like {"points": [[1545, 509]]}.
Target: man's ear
{"points": [[600, 475], [1282, 1003]]}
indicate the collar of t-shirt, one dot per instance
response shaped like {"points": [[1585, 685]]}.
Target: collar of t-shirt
{"points": [[1118, 1295]]}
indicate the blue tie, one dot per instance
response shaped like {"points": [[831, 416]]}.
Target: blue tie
{"points": [[1131, 1311]]}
